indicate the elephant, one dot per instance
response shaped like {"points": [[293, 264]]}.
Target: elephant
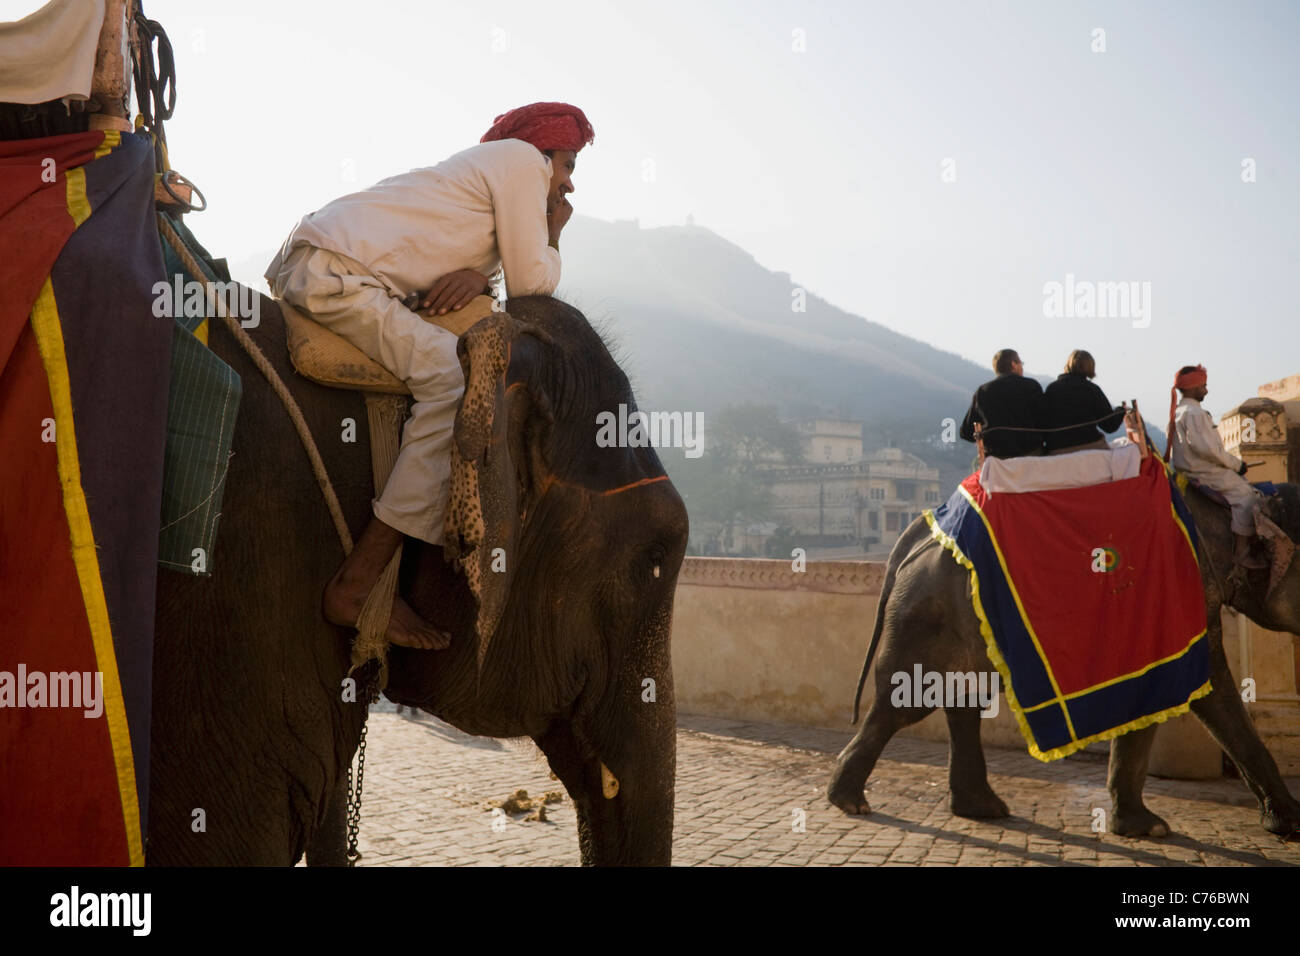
{"points": [[250, 724], [925, 614]]}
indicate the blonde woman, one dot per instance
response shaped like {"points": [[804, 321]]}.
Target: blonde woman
{"points": [[1073, 399]]}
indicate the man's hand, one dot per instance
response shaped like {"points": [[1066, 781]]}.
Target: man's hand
{"points": [[454, 291], [557, 219]]}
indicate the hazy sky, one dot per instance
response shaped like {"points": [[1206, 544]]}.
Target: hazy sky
{"points": [[826, 161]]}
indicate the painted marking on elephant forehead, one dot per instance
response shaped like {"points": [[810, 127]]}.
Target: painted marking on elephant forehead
{"points": [[635, 484], [552, 480]]}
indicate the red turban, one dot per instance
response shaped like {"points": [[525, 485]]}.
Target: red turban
{"points": [[1192, 379], [545, 125]]}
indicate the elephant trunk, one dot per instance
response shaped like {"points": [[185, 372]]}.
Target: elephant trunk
{"points": [[623, 797]]}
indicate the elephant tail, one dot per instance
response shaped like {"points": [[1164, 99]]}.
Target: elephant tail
{"points": [[891, 569]]}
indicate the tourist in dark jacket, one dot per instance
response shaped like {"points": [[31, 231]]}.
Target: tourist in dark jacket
{"points": [[1072, 399], [1008, 400]]}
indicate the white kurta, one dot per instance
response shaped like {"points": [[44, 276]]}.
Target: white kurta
{"points": [[479, 209], [1199, 452], [350, 264]]}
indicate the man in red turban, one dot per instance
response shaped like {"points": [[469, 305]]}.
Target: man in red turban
{"points": [[430, 239], [559, 131], [1196, 448]]}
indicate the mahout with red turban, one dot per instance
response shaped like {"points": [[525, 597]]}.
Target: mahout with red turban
{"points": [[1196, 377], [545, 125]]}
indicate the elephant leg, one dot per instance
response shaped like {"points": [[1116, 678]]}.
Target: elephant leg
{"points": [[1127, 773], [846, 789], [329, 844], [1224, 715], [968, 781]]}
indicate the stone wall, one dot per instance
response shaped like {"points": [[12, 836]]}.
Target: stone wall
{"points": [[755, 640]]}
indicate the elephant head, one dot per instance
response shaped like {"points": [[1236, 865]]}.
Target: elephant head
{"points": [[1277, 592], [1269, 597], [570, 552]]}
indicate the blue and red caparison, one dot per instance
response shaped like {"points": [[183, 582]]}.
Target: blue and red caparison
{"points": [[1090, 602], [84, 373]]}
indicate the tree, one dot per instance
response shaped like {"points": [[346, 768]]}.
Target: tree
{"points": [[722, 487], [749, 435]]}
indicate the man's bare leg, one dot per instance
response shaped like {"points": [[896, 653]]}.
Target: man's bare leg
{"points": [[356, 577]]}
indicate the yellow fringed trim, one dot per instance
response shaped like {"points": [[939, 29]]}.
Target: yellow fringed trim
{"points": [[995, 655]]}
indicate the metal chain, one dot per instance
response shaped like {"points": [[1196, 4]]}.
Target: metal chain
{"points": [[355, 784]]}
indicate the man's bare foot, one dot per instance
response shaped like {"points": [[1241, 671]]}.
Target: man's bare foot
{"points": [[405, 627], [352, 583]]}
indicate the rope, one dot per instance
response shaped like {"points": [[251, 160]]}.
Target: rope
{"points": [[1044, 431], [273, 377], [155, 84], [385, 414], [385, 442]]}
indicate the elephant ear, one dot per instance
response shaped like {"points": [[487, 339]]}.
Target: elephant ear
{"points": [[493, 454], [1270, 524]]}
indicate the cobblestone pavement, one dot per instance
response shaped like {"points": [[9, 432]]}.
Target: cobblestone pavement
{"points": [[428, 787]]}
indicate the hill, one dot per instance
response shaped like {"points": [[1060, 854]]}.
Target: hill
{"points": [[699, 324]]}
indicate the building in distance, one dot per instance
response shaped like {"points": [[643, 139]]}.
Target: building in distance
{"points": [[843, 498]]}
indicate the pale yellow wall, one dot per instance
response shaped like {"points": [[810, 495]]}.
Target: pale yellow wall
{"points": [[841, 450], [1266, 450], [843, 439], [1269, 657], [1282, 390]]}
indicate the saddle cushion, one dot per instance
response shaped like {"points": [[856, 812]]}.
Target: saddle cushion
{"points": [[329, 359], [1265, 488], [1078, 469]]}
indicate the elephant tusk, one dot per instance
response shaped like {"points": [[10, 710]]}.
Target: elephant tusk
{"points": [[608, 783]]}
